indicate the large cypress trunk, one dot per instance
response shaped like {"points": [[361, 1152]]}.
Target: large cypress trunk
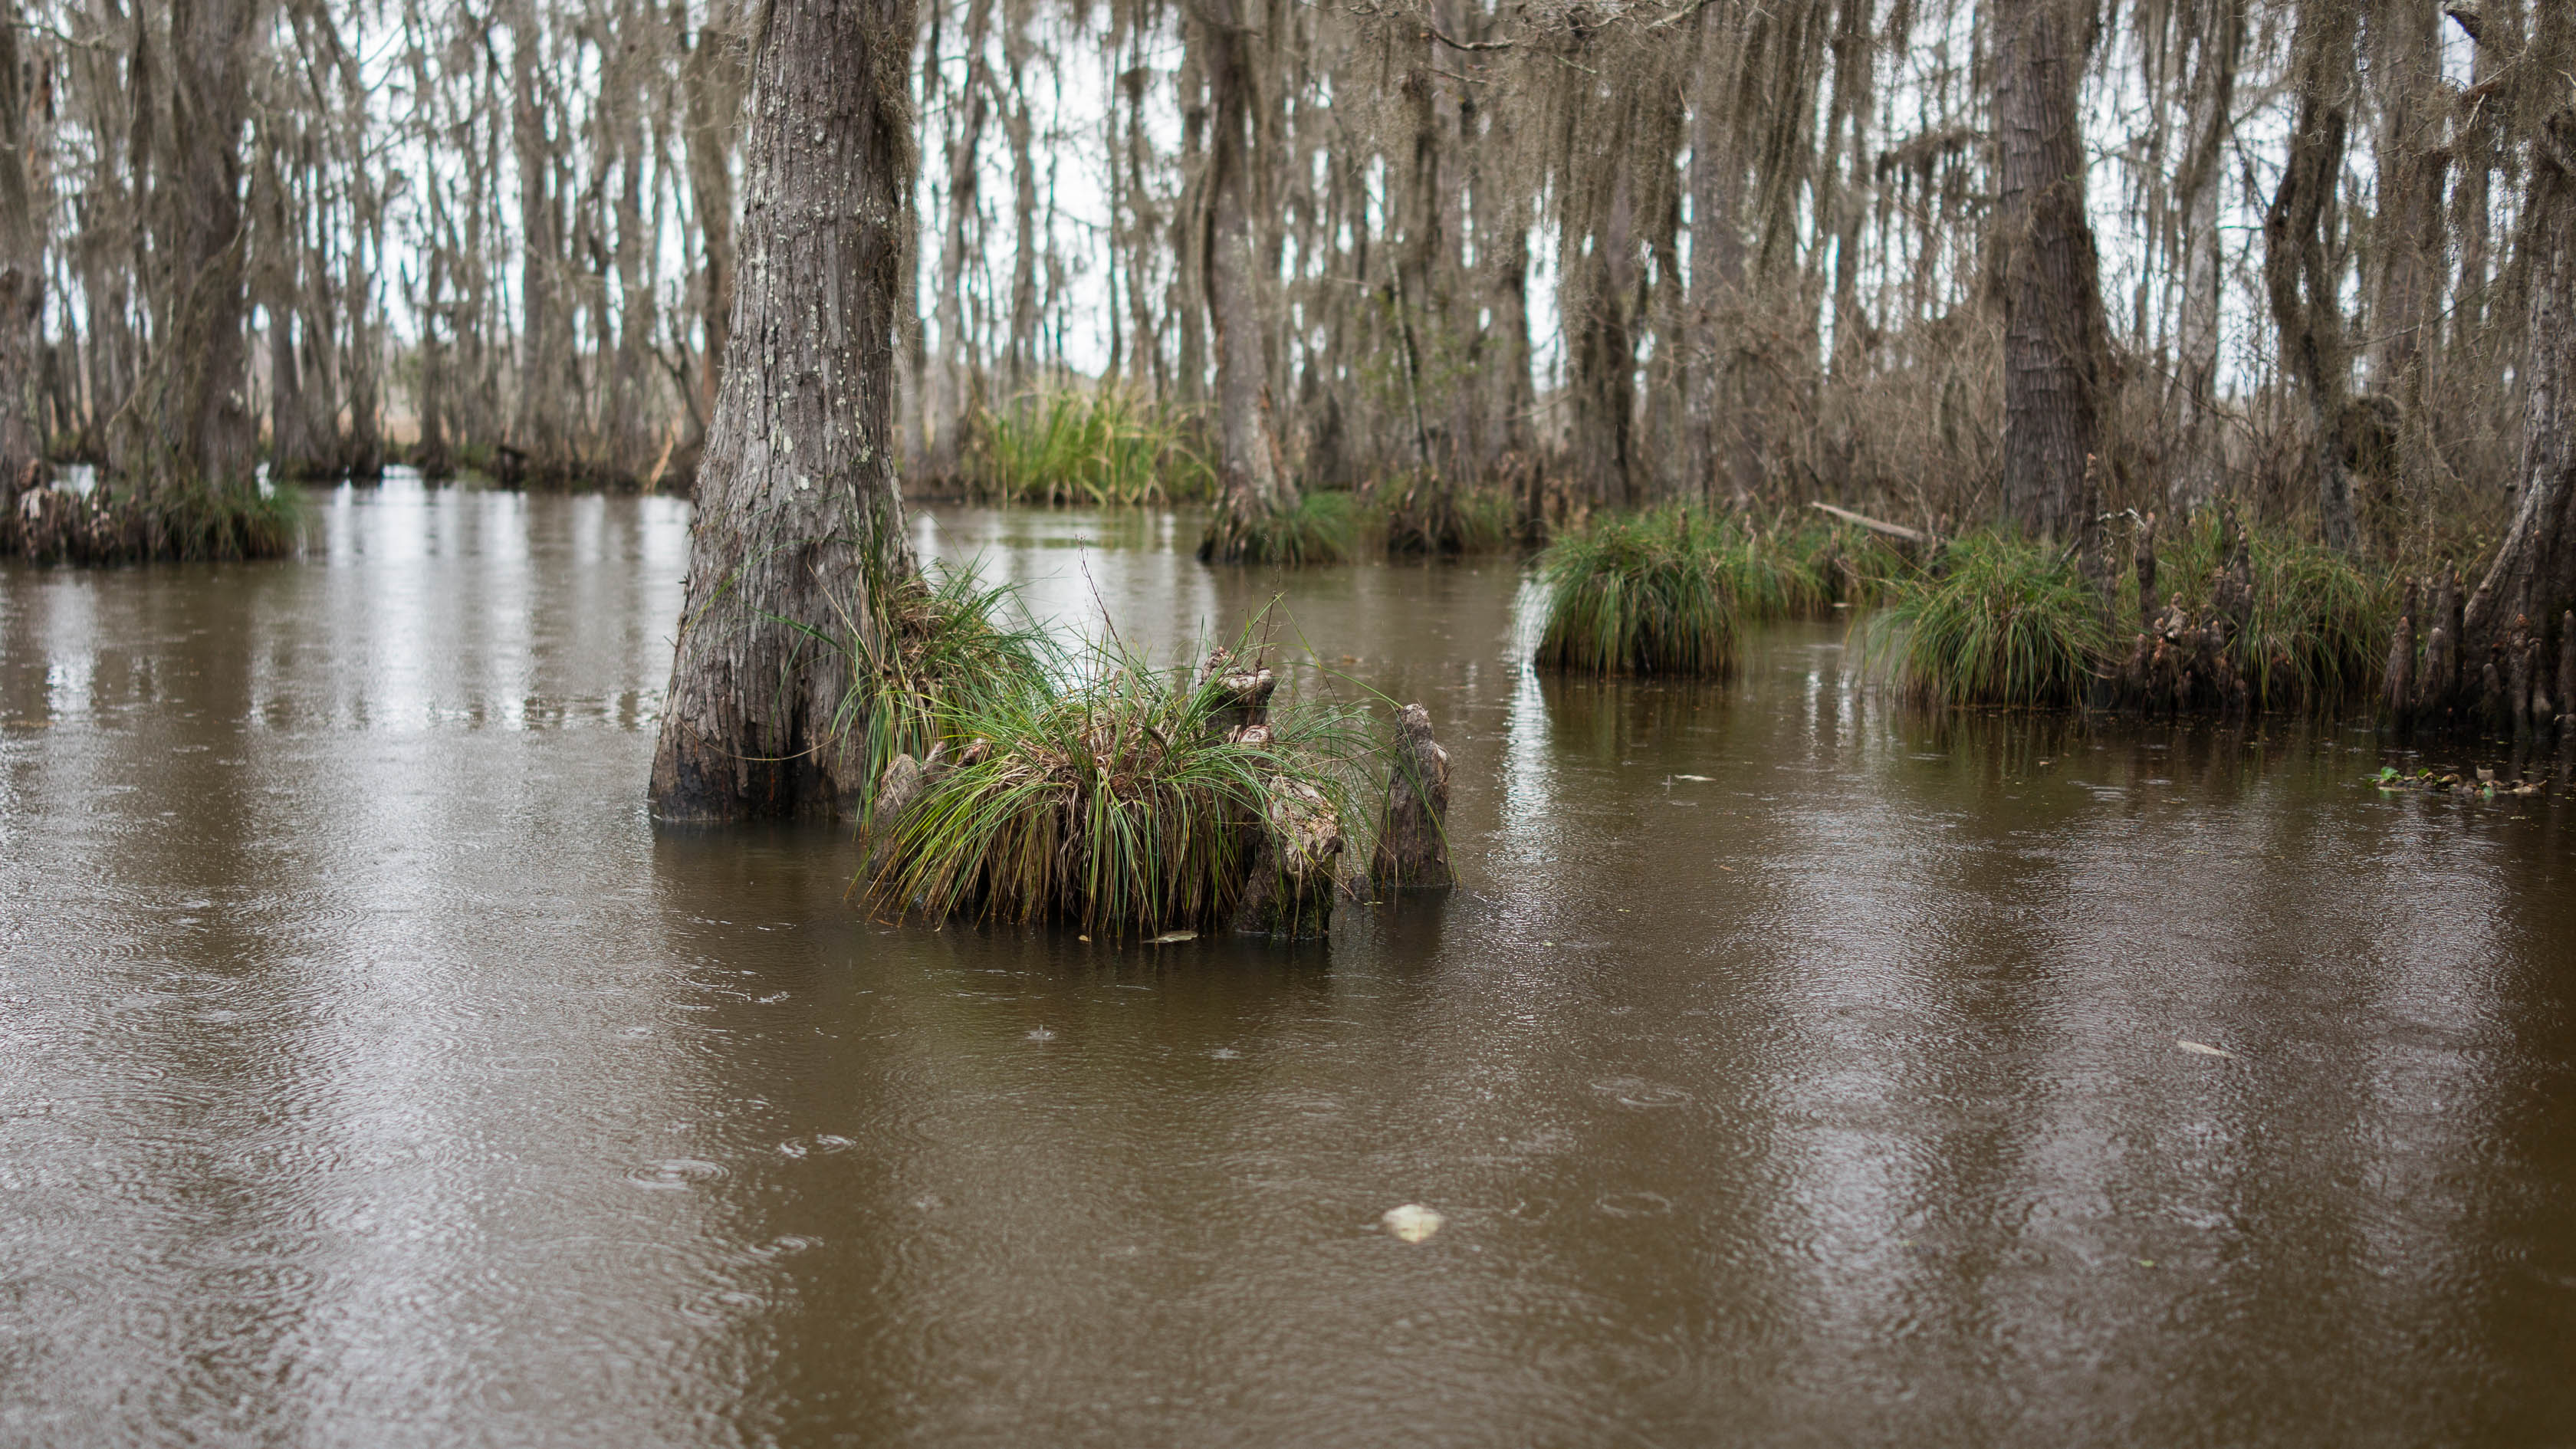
{"points": [[712, 80], [2301, 278], [1248, 454], [2213, 107], [21, 278], [210, 433], [797, 498], [2054, 330], [2534, 574], [1724, 460]]}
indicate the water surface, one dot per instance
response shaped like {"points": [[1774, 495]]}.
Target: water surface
{"points": [[1790, 1069]]}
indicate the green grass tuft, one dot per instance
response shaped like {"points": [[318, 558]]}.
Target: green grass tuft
{"points": [[188, 524], [1323, 528], [1101, 448], [937, 642], [1654, 593], [2319, 629], [1997, 621], [230, 523], [1425, 515], [1116, 802]]}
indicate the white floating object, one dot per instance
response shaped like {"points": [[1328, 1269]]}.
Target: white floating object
{"points": [[1041, 1034], [1702, 779], [1412, 1222], [1171, 938], [2202, 1048]]}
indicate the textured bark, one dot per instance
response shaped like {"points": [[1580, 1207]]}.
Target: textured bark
{"points": [[1255, 484], [1596, 259], [1412, 840], [798, 488], [208, 429], [2534, 574], [2408, 236], [22, 285], [2054, 331], [1290, 889], [2213, 105], [2299, 274], [713, 80], [955, 384], [1724, 461], [545, 352]]}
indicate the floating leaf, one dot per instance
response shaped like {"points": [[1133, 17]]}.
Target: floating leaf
{"points": [[2202, 1048], [1702, 779], [1173, 938], [1412, 1222]]}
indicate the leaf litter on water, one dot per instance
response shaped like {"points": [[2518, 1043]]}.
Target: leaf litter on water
{"points": [[1412, 1222], [2202, 1048]]}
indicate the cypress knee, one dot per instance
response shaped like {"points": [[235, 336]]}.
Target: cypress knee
{"points": [[2566, 669], [1412, 840], [2433, 694], [1290, 890], [2520, 656], [2398, 692], [1245, 694]]}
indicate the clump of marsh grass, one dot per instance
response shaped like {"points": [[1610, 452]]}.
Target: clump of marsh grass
{"points": [[1103, 448], [1320, 528], [935, 642], [2315, 628], [1847, 563], [1652, 593], [1996, 620], [227, 523], [188, 523], [1428, 515], [1123, 801]]}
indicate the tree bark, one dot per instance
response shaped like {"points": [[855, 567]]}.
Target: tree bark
{"points": [[22, 275], [1412, 838], [2213, 104], [798, 510], [203, 431], [544, 354], [2055, 353], [712, 81], [1722, 462], [2299, 271], [1256, 487], [2411, 165], [2534, 574]]}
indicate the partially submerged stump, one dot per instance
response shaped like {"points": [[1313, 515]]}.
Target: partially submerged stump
{"points": [[898, 789], [1412, 846], [1247, 692], [1290, 889]]}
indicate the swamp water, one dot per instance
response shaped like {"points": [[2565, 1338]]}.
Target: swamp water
{"points": [[1789, 1069]]}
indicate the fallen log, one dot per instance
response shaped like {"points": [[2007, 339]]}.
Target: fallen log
{"points": [[1877, 525]]}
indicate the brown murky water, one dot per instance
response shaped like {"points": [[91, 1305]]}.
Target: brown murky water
{"points": [[1790, 1070]]}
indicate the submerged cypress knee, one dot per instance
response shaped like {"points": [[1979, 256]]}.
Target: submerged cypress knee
{"points": [[1412, 840]]}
